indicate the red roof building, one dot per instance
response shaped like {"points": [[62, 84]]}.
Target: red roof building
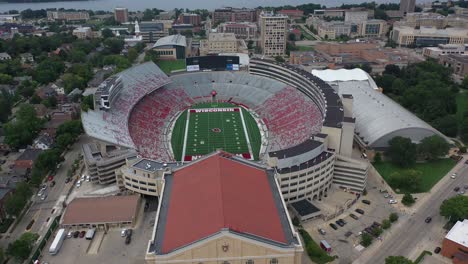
{"points": [[292, 13], [221, 193]]}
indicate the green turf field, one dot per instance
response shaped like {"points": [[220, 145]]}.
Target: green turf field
{"points": [[209, 131]]}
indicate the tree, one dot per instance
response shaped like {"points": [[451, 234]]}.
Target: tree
{"points": [[455, 208], [408, 199], [397, 260], [366, 239], [50, 102], [393, 217], [279, 59], [132, 54], [292, 37], [433, 147], [5, 107], [21, 248], [107, 33], [114, 45], [402, 151], [64, 140], [377, 231], [77, 55], [447, 125], [377, 157], [5, 79], [464, 84], [392, 69], [386, 224], [250, 46], [22, 130], [72, 81]]}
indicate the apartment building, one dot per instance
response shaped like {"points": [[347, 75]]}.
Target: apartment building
{"points": [[121, 14], [151, 31], [230, 14], [458, 63], [242, 30], [443, 49], [436, 20], [273, 30], [292, 13], [407, 6], [189, 18], [86, 33], [67, 16]]}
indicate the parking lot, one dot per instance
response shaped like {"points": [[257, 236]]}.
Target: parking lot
{"points": [[112, 249], [344, 245]]}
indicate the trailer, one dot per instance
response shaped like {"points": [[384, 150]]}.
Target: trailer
{"points": [[58, 241]]}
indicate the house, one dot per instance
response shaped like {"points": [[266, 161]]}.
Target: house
{"points": [[41, 110], [27, 158], [10, 89], [45, 92], [26, 58], [56, 119], [4, 56], [72, 94], [43, 142]]}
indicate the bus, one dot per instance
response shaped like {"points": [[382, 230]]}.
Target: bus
{"points": [[58, 241], [325, 246]]}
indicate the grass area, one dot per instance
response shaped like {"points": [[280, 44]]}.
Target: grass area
{"points": [[462, 105], [315, 253], [421, 257], [209, 131], [305, 48], [432, 172], [306, 35], [167, 66]]}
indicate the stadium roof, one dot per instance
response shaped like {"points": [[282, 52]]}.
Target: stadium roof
{"points": [[172, 40], [217, 193], [378, 118]]}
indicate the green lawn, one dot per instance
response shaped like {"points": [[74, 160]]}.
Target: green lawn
{"points": [[462, 105], [209, 131], [305, 34], [432, 172], [167, 66], [314, 251], [305, 48]]}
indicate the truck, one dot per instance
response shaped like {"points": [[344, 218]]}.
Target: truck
{"points": [[58, 241]]}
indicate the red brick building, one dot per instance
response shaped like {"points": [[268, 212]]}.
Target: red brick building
{"points": [[27, 158], [292, 13], [455, 244]]}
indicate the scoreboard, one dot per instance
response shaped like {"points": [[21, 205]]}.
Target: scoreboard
{"points": [[214, 63]]}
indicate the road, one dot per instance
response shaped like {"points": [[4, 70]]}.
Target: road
{"points": [[404, 239], [41, 211], [317, 37]]}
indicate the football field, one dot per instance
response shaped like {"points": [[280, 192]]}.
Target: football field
{"points": [[207, 127]]}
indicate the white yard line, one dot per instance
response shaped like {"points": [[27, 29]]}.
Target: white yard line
{"points": [[185, 135], [245, 132]]}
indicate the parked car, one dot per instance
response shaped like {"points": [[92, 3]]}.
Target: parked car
{"points": [[70, 234], [456, 189], [386, 195], [52, 184], [332, 225], [391, 201], [129, 232], [123, 233], [461, 192], [44, 196], [67, 180], [437, 250], [453, 176], [375, 224], [128, 239], [465, 187], [76, 234], [428, 219], [88, 178], [78, 184], [338, 222], [322, 232], [353, 216], [50, 178], [342, 221], [366, 202], [348, 234], [359, 211], [82, 234]]}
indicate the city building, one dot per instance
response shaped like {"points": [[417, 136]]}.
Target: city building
{"points": [[121, 14], [356, 15], [372, 131], [181, 28], [243, 217], [101, 161], [455, 244], [292, 13], [230, 14], [460, 11], [407, 6], [68, 15], [83, 32], [303, 57], [273, 31], [151, 31], [189, 18], [334, 29], [436, 20], [4, 56], [331, 13], [458, 64], [443, 49], [242, 30], [167, 25], [101, 212], [428, 36], [222, 43], [172, 47], [10, 18]]}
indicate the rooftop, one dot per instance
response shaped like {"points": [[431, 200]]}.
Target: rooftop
{"points": [[218, 181], [110, 209], [431, 31], [29, 154], [305, 146], [172, 40], [222, 37], [304, 207], [459, 233]]}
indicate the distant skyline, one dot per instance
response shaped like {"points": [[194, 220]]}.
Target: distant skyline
{"points": [[135, 5]]}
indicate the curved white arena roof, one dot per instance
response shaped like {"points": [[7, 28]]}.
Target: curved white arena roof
{"points": [[341, 75], [378, 118]]}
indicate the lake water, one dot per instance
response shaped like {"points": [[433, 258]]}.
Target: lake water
{"points": [[135, 5]]}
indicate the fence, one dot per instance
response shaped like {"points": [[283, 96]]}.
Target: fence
{"points": [[47, 235]]}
